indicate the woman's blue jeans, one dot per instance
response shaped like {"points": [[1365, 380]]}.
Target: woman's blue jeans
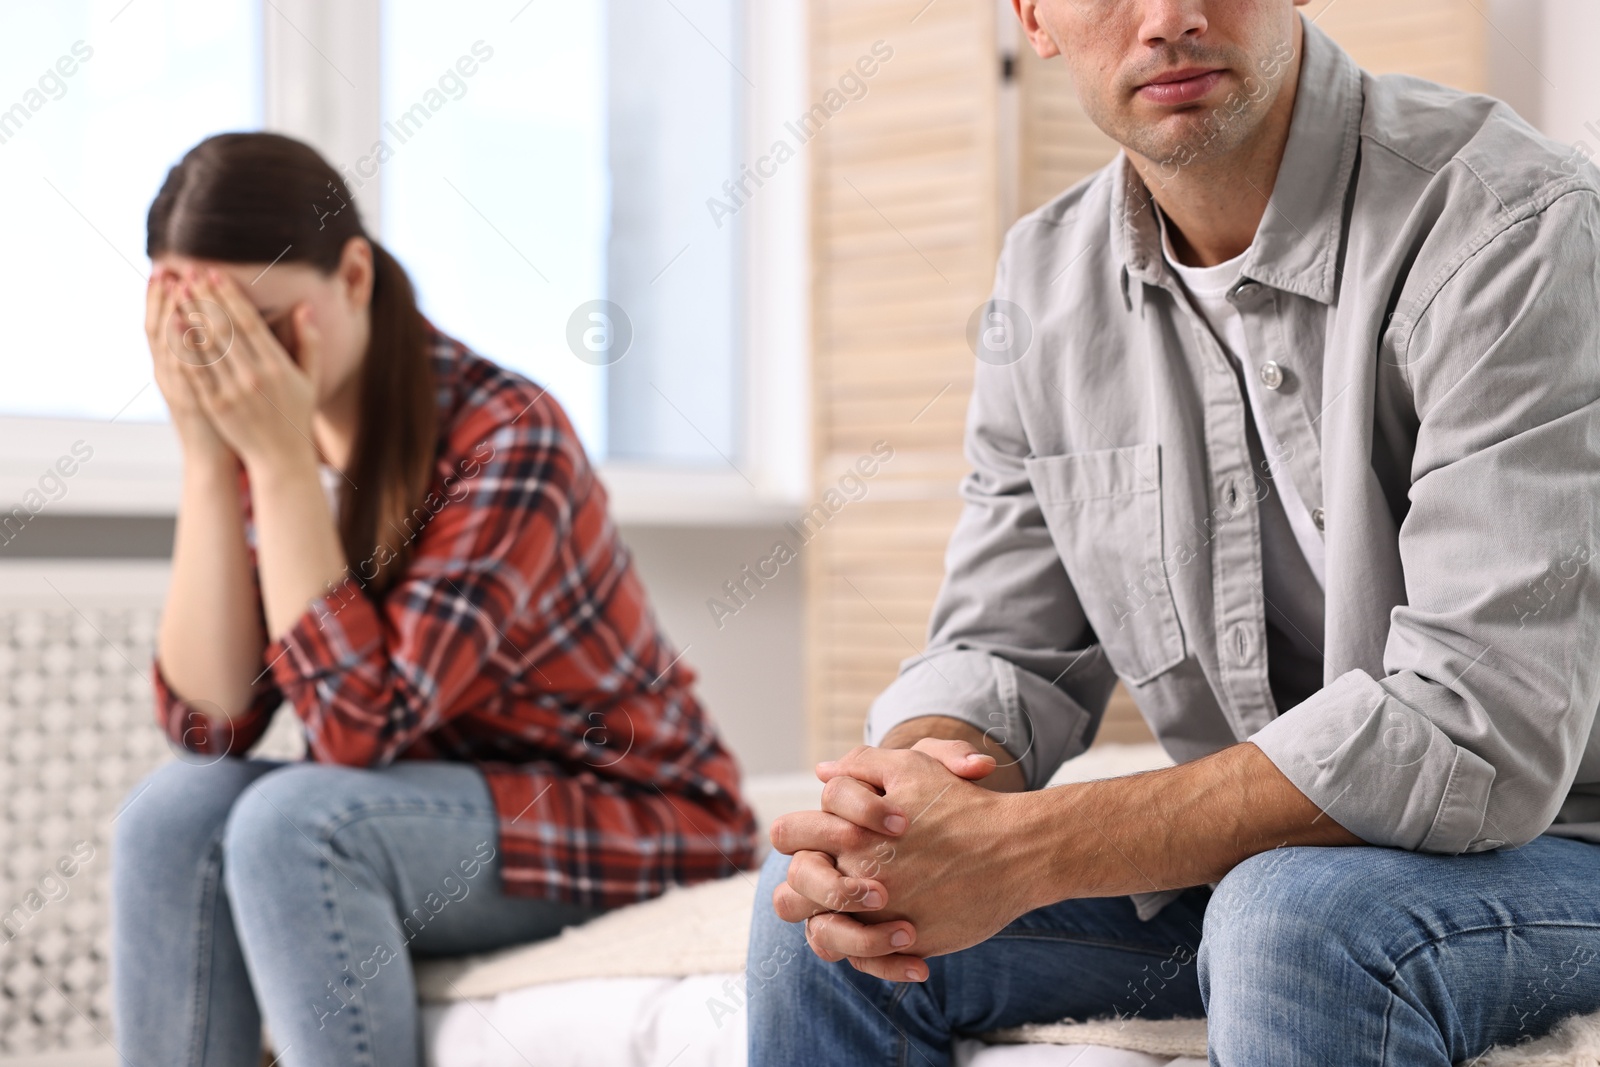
{"points": [[299, 892], [1333, 957]]}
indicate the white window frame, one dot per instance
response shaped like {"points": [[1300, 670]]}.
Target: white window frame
{"points": [[136, 468]]}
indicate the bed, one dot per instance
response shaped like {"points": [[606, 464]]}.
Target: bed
{"points": [[657, 985]]}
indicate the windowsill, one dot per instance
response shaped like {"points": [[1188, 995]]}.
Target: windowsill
{"points": [[135, 470], [645, 495]]}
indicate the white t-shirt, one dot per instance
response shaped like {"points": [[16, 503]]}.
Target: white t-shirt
{"points": [[1292, 549], [1209, 286]]}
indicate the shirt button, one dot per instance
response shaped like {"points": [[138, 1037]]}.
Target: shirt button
{"points": [[1245, 289], [1271, 374], [1318, 517], [1240, 638]]}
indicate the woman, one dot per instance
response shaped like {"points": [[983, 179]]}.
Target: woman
{"points": [[406, 545]]}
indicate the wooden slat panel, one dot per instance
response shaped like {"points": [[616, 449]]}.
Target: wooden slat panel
{"points": [[1442, 40], [904, 234]]}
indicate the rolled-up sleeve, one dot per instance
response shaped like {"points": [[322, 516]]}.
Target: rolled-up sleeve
{"points": [[1009, 648], [1473, 737], [201, 728]]}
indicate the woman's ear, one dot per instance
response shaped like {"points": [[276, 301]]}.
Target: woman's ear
{"points": [[356, 273]]}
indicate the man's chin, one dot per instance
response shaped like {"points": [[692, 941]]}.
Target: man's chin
{"points": [[1183, 137]]}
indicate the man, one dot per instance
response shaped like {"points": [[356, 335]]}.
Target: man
{"points": [[1305, 448]]}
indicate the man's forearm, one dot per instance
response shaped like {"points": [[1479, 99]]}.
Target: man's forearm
{"points": [[1007, 776], [1166, 829]]}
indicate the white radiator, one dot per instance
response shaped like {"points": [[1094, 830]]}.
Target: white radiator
{"points": [[76, 734]]}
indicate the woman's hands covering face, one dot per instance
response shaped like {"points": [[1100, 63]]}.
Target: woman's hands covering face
{"points": [[173, 328], [221, 365]]}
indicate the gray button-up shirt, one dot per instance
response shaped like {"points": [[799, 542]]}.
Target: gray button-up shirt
{"points": [[1427, 278]]}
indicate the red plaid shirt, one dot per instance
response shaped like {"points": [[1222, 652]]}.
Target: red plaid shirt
{"points": [[520, 640]]}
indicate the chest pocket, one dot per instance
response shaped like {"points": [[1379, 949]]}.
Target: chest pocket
{"points": [[1103, 510]]}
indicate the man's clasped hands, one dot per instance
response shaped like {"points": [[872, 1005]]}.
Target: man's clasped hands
{"points": [[907, 858]]}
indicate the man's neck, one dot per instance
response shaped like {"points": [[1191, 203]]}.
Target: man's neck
{"points": [[1214, 207]]}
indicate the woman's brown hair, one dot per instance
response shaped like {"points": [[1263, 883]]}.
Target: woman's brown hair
{"points": [[264, 198]]}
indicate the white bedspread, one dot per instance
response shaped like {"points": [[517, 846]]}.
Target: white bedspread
{"points": [[654, 1022]]}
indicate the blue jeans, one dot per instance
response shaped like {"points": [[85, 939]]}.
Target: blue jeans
{"points": [[299, 892], [1353, 957]]}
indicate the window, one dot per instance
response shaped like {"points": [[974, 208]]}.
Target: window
{"points": [[496, 198], [99, 103], [548, 177], [677, 97], [551, 205]]}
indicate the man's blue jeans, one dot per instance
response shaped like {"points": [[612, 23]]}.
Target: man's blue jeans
{"points": [[1335, 957], [299, 892]]}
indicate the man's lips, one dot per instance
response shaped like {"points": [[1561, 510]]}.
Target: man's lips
{"points": [[1180, 86]]}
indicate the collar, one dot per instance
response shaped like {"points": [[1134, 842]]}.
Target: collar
{"points": [[1214, 280], [1296, 247]]}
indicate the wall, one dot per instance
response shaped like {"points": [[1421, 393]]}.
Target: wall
{"points": [[905, 227], [750, 665], [1568, 76]]}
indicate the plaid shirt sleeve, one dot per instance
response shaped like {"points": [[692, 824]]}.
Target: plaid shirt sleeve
{"points": [[370, 679], [192, 726]]}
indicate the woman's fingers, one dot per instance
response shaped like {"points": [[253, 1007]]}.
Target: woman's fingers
{"points": [[818, 884], [155, 295], [260, 346], [217, 330], [161, 309], [206, 385]]}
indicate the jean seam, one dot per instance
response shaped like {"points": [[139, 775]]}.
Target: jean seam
{"points": [[1391, 981], [1383, 1038], [334, 822], [903, 1059], [361, 1028], [206, 936], [1401, 959], [329, 825], [1090, 942], [344, 819]]}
